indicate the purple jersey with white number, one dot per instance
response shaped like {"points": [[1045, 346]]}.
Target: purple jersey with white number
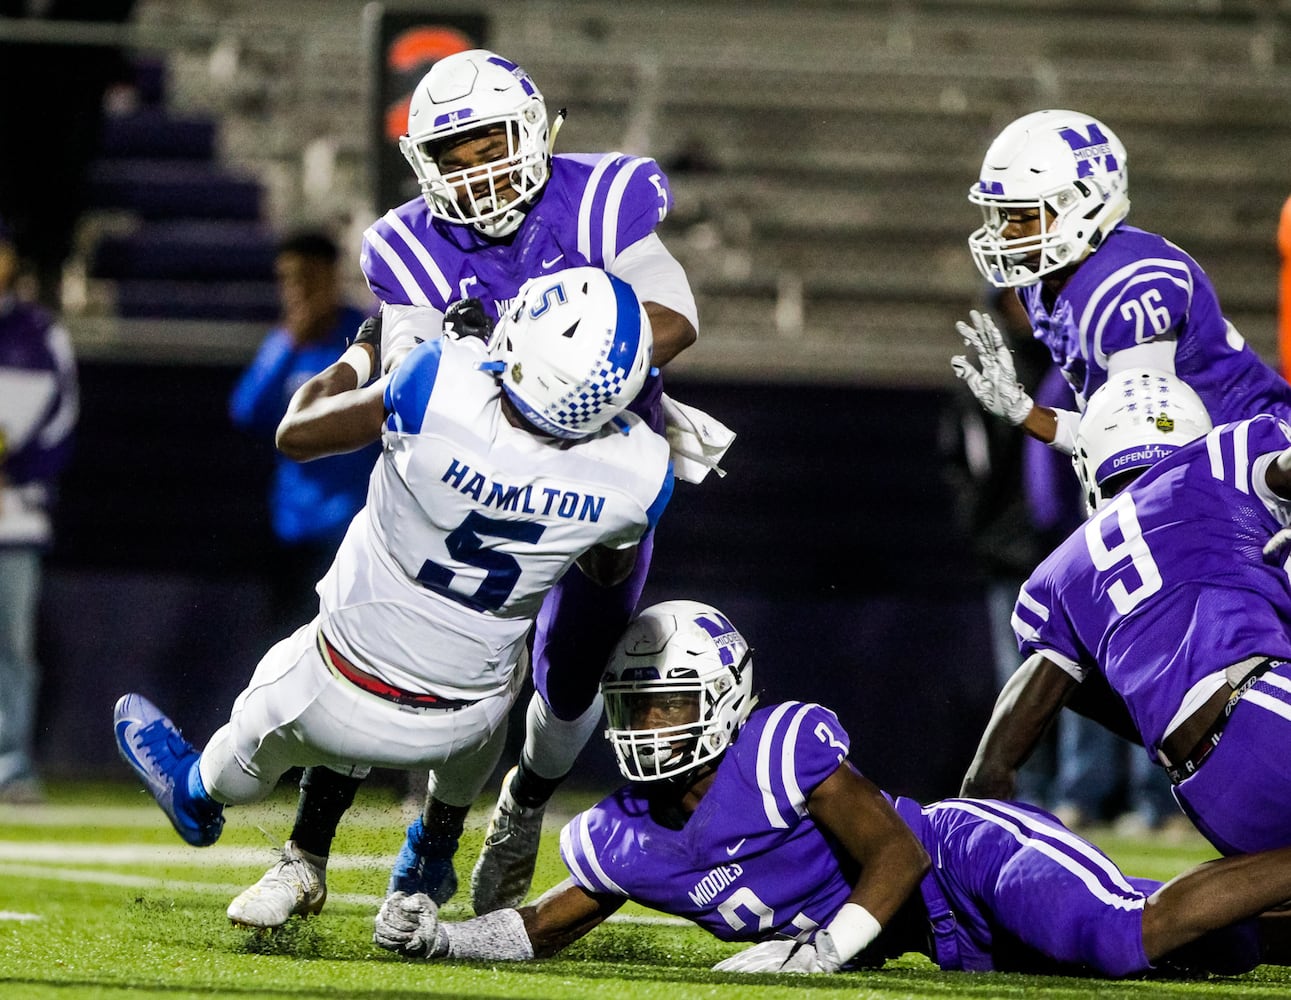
{"points": [[728, 869], [1139, 287], [593, 207], [1166, 585], [1010, 886]]}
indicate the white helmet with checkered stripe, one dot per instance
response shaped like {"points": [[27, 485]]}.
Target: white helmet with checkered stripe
{"points": [[575, 348]]}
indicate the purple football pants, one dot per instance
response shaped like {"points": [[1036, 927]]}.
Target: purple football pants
{"points": [[579, 621], [577, 627], [1240, 796]]}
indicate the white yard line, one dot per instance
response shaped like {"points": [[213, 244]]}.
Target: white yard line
{"points": [[52, 861], [175, 856]]}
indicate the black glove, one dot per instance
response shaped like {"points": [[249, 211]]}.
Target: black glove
{"points": [[369, 332], [466, 318]]}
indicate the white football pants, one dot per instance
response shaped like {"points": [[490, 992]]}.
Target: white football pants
{"points": [[296, 712]]}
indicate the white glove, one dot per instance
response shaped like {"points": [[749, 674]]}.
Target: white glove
{"points": [[1275, 545], [410, 925], [785, 956], [996, 386]]}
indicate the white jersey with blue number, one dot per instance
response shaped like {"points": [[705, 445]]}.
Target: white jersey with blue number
{"points": [[470, 521]]}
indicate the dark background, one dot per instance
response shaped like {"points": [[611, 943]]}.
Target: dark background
{"points": [[829, 544]]}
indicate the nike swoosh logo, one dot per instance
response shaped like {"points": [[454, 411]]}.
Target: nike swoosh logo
{"points": [[126, 750], [731, 850], [555, 260]]}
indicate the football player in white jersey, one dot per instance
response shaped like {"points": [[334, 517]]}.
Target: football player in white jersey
{"points": [[497, 207], [503, 465]]}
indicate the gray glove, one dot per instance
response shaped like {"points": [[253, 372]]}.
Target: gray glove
{"points": [[996, 386], [410, 926], [785, 956]]}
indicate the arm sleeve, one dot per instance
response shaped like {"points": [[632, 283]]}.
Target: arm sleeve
{"points": [[1240, 454], [800, 746], [404, 327], [407, 393], [40, 454], [1041, 627], [398, 266], [582, 841], [657, 276]]}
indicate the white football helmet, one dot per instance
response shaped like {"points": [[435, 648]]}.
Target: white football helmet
{"points": [[1135, 419], [683, 659], [1060, 162], [575, 350], [471, 92]]}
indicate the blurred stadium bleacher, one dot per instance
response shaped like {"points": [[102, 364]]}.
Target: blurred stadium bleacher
{"points": [[824, 222]]}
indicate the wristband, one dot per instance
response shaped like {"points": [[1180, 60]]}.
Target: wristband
{"points": [[1064, 439], [499, 936], [852, 930], [358, 358]]}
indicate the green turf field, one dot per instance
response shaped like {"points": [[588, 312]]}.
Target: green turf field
{"points": [[99, 898]]}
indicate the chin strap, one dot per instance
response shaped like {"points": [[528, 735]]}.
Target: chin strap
{"points": [[556, 122]]}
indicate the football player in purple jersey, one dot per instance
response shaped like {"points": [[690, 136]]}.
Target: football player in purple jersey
{"points": [[1174, 594], [754, 823], [1102, 295], [497, 208]]}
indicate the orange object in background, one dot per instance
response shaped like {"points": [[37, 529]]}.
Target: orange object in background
{"points": [[1284, 291]]}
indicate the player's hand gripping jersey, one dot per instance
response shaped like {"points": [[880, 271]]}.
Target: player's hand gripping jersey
{"points": [[470, 520], [1166, 584]]}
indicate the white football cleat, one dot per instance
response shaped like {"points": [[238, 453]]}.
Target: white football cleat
{"points": [[296, 884], [504, 870]]}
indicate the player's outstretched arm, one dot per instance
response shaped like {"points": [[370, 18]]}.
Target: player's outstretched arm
{"points": [[1023, 711], [330, 415], [410, 926], [563, 914], [672, 333], [892, 863], [1217, 894]]}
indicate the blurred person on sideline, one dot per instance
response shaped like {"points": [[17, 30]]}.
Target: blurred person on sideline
{"points": [[311, 503], [38, 411], [754, 822]]}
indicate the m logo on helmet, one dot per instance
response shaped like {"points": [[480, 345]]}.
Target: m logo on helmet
{"points": [[1089, 150]]}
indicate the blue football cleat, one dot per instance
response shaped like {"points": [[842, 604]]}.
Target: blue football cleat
{"points": [[150, 743], [425, 864]]}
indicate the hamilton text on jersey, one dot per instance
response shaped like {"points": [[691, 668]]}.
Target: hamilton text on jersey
{"points": [[548, 501]]}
